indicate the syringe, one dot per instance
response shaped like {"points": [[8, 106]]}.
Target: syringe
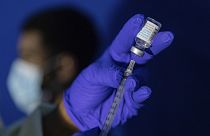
{"points": [[143, 41]]}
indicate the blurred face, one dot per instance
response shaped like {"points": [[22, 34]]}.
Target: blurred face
{"points": [[57, 70], [26, 72], [35, 76]]}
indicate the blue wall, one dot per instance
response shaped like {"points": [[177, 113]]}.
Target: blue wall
{"points": [[179, 105]]}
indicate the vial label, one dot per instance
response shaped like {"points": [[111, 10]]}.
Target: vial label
{"points": [[148, 31]]}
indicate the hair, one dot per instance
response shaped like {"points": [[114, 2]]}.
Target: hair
{"points": [[65, 30]]}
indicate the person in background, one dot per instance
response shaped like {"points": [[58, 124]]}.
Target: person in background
{"points": [[86, 102], [53, 46]]}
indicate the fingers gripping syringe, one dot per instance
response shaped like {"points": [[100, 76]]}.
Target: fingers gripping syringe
{"points": [[143, 41]]}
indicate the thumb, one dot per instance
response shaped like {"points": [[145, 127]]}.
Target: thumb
{"points": [[120, 48]]}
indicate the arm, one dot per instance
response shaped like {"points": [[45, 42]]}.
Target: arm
{"points": [[57, 123], [64, 116]]}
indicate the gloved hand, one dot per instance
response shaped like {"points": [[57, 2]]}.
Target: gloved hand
{"points": [[89, 98]]}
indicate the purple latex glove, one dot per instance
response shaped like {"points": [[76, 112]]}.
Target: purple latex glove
{"points": [[89, 98]]}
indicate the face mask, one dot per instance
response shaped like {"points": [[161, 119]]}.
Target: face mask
{"points": [[24, 84]]}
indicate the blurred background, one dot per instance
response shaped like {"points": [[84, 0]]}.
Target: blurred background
{"points": [[180, 76]]}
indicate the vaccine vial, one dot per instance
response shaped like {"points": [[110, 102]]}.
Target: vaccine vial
{"points": [[145, 36]]}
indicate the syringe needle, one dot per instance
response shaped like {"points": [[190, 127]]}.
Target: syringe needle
{"points": [[119, 95]]}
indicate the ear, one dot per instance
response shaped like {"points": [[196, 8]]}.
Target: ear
{"points": [[67, 68]]}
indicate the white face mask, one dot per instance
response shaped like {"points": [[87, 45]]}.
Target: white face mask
{"points": [[24, 84]]}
